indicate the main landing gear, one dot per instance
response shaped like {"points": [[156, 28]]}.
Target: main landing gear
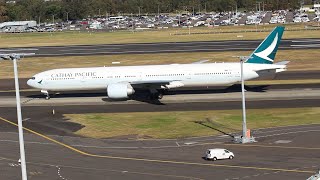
{"points": [[156, 94], [46, 93]]}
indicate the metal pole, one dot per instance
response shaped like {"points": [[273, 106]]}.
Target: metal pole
{"points": [[192, 11], [244, 123], [21, 141], [205, 7], [67, 17], [139, 11]]}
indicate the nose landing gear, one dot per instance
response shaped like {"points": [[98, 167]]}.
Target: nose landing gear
{"points": [[46, 93]]}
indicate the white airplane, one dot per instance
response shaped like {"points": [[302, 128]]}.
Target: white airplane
{"points": [[121, 82]]}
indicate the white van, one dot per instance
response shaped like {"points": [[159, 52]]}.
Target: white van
{"points": [[215, 154]]}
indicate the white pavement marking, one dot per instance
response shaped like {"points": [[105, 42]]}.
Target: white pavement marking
{"points": [[26, 119], [13, 164], [66, 50], [306, 45], [28, 142], [307, 40], [282, 142], [190, 143], [287, 133], [283, 128], [59, 173], [19, 49]]}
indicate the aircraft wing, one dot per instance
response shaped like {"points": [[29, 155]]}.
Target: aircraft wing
{"points": [[157, 84], [150, 82]]}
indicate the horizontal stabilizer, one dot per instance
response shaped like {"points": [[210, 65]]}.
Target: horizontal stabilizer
{"points": [[282, 63], [201, 61]]}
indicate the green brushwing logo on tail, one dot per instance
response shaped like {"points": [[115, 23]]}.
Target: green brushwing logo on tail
{"points": [[266, 51]]}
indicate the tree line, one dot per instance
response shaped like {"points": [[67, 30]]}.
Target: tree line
{"points": [[42, 11]]}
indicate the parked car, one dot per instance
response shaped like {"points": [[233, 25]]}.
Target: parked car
{"points": [[215, 154]]}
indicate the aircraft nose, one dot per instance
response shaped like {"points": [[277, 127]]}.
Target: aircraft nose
{"points": [[30, 82]]}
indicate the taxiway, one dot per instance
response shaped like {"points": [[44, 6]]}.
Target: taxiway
{"points": [[166, 47]]}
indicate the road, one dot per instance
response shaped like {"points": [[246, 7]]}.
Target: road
{"points": [[167, 47]]}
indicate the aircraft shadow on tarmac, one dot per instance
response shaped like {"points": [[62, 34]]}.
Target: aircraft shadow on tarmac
{"points": [[138, 97], [143, 96]]}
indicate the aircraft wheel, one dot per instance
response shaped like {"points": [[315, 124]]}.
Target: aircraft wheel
{"points": [[160, 96]]}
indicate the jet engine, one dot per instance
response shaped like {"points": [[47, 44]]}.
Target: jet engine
{"points": [[119, 90]]}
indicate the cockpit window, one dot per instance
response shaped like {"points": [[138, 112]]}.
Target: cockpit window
{"points": [[33, 78]]}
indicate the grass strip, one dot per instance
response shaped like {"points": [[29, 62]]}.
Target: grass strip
{"points": [[181, 124]]}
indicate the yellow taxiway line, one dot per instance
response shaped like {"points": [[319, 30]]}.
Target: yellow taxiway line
{"points": [[154, 160]]}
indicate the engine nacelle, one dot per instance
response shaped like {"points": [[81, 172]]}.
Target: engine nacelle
{"points": [[119, 90], [173, 84]]}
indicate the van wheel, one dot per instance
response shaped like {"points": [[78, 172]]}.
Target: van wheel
{"points": [[231, 157], [214, 159]]}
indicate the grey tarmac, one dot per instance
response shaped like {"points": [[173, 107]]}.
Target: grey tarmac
{"points": [[165, 47]]}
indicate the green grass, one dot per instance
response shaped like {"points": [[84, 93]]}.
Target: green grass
{"points": [[76, 38], [180, 124], [300, 60]]}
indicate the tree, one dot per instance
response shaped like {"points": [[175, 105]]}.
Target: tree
{"points": [[3, 13]]}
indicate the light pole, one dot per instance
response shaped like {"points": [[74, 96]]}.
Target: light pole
{"points": [[139, 11], [246, 138], [21, 140], [244, 122], [14, 58]]}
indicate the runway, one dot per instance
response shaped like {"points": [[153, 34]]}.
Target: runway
{"points": [[166, 47]]}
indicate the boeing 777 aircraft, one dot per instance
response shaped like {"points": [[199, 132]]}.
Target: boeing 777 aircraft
{"points": [[121, 82]]}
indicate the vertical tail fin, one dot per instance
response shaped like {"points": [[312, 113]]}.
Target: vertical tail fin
{"points": [[266, 51]]}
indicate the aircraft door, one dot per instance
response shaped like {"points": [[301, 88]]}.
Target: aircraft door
{"points": [[141, 76], [188, 75]]}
